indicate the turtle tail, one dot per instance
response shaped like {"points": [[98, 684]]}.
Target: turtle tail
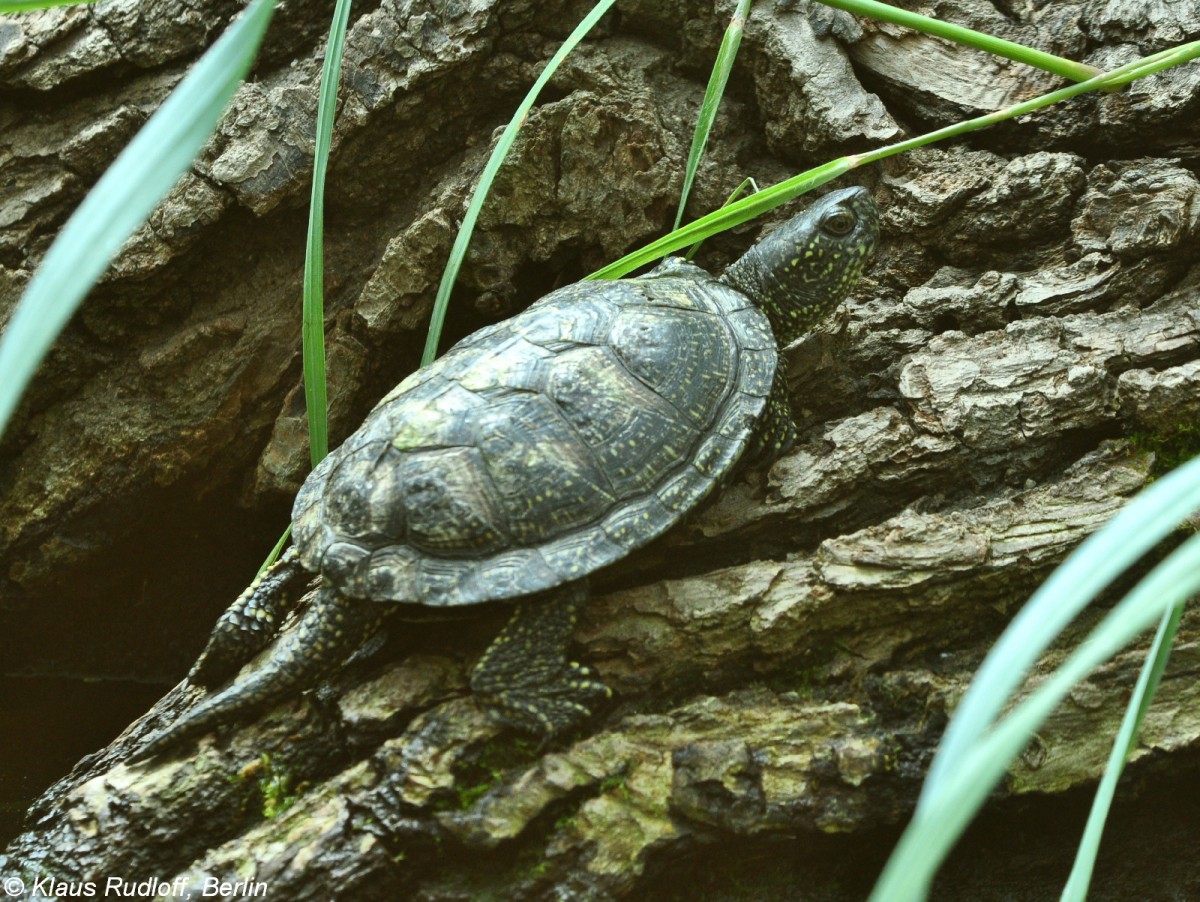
{"points": [[332, 628]]}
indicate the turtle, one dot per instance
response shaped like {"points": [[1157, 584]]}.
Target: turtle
{"points": [[535, 452]]}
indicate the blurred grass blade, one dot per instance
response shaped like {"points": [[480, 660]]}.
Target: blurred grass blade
{"points": [[937, 825], [1103, 556], [313, 328], [459, 251], [960, 35], [1168, 585], [21, 6], [712, 99], [1089, 846], [122, 200]]}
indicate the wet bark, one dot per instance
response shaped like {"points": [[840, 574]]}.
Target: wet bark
{"points": [[1021, 357]]}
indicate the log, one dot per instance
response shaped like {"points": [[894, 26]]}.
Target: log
{"points": [[1021, 359]]}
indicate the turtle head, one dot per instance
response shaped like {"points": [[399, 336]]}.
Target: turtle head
{"points": [[807, 266]]}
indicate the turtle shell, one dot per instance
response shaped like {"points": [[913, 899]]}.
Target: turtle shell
{"points": [[544, 447]]}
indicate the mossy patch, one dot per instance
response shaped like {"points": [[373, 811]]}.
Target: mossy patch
{"points": [[615, 785], [481, 772], [1171, 447], [275, 786]]}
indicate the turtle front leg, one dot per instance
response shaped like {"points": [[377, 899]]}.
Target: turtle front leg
{"points": [[775, 432], [525, 679], [251, 622]]}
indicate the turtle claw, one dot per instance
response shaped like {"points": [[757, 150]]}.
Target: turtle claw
{"points": [[524, 679], [250, 623], [551, 708]]}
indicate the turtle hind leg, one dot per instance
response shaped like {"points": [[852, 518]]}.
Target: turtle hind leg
{"points": [[525, 679], [332, 628], [250, 623]]}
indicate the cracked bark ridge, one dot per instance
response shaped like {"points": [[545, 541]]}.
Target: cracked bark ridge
{"points": [[784, 662]]}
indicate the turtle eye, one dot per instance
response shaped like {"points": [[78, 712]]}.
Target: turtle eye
{"points": [[839, 223]]}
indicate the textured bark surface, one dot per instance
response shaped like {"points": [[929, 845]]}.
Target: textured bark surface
{"points": [[783, 663]]}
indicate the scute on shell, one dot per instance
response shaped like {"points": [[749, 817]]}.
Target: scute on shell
{"points": [[545, 447]]}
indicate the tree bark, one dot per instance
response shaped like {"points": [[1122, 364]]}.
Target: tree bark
{"points": [[1014, 367]]}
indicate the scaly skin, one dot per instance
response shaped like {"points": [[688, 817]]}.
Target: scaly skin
{"points": [[794, 276], [525, 677], [251, 622]]}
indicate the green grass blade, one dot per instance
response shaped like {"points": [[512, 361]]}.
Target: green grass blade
{"points": [[712, 99], [734, 195], [21, 6], [937, 825], [727, 217], [122, 200], [769, 198], [1089, 846], [463, 239], [1106, 81], [313, 327], [276, 551], [957, 33]]}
